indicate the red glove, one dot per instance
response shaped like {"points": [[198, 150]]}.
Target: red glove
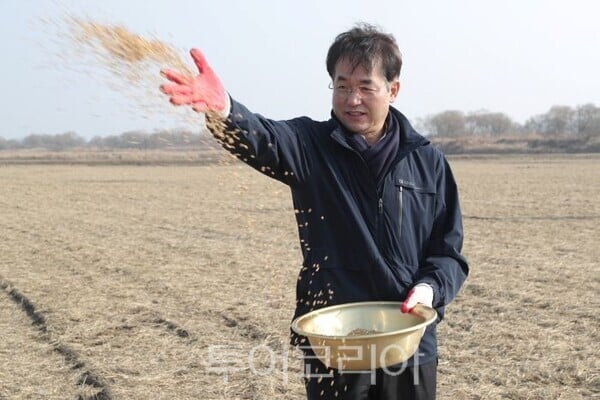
{"points": [[422, 293], [203, 92]]}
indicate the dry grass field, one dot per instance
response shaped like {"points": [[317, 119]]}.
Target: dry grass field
{"points": [[177, 282]]}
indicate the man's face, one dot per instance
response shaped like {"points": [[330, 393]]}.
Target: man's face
{"points": [[361, 99]]}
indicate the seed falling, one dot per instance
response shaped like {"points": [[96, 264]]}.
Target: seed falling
{"points": [[118, 45]]}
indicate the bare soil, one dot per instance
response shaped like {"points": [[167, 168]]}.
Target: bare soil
{"points": [[177, 282]]}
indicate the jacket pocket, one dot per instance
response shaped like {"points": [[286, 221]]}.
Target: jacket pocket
{"points": [[416, 187], [415, 201]]}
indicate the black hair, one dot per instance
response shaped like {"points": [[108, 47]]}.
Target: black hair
{"points": [[365, 45]]}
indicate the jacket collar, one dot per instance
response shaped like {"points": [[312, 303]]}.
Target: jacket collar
{"points": [[410, 139]]}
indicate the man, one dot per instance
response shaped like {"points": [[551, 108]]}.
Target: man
{"points": [[377, 205]]}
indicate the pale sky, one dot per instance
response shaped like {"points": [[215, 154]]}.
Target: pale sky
{"points": [[519, 57]]}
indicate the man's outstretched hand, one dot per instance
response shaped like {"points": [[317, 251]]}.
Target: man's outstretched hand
{"points": [[420, 294], [204, 92]]}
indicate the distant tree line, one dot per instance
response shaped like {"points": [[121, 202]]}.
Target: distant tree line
{"points": [[581, 121], [170, 139]]}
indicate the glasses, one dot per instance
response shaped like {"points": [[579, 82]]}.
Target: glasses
{"points": [[364, 92]]}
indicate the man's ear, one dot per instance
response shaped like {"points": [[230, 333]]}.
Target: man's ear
{"points": [[394, 90]]}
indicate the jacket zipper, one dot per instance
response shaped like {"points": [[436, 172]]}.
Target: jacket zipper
{"points": [[379, 219], [400, 213], [378, 222]]}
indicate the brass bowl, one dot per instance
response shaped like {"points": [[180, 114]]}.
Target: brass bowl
{"points": [[364, 336]]}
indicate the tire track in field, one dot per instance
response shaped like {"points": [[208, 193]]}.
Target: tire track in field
{"points": [[87, 377], [172, 327], [38, 320], [245, 329]]}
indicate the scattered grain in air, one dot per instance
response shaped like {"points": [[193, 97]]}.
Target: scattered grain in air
{"points": [[118, 44], [322, 393], [133, 62], [320, 379]]}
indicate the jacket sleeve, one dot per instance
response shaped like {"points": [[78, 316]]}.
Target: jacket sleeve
{"points": [[443, 267], [275, 148]]}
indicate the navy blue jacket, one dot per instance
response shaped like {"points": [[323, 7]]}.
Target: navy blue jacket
{"points": [[360, 243]]}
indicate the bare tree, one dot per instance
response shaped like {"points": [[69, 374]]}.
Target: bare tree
{"points": [[9, 144], [558, 120], [489, 123], [447, 123], [587, 119], [57, 142]]}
